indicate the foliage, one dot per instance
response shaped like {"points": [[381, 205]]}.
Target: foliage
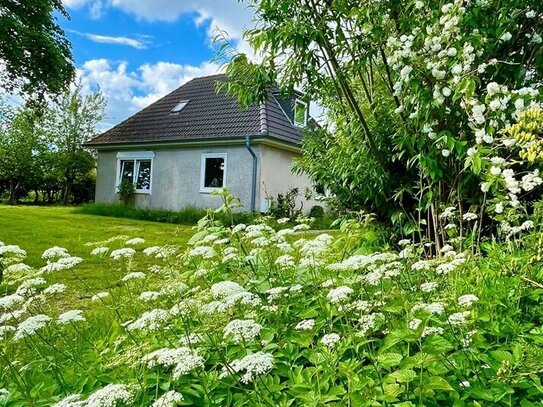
{"points": [[126, 190], [285, 206], [251, 315], [417, 95], [36, 55]]}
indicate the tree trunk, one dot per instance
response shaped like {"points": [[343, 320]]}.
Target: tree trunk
{"points": [[67, 192], [13, 186]]}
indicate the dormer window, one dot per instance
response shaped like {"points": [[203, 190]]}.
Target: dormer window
{"points": [[180, 106], [300, 113]]}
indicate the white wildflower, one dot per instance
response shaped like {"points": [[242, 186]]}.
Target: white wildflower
{"points": [[100, 251], [458, 318], [150, 320], [11, 301], [253, 365], [136, 275], [71, 316], [55, 253], [428, 287], [111, 396], [168, 399], [467, 300], [99, 296], [17, 268], [430, 330], [340, 294], [242, 330], [149, 295], [305, 325], [330, 340], [125, 252], [31, 325]]}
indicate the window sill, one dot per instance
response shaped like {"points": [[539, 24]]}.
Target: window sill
{"points": [[209, 190], [142, 192]]}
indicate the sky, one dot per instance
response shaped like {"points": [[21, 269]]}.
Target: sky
{"points": [[136, 51]]}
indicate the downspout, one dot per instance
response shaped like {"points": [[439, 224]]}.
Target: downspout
{"points": [[253, 180]]}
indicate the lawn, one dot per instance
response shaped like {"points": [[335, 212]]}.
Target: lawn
{"points": [[36, 228]]}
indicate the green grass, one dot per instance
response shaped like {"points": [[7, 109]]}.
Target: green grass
{"points": [[186, 216], [38, 228]]}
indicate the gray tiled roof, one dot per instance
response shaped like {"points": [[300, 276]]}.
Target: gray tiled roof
{"points": [[208, 115]]}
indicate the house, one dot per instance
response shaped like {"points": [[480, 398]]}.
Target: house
{"points": [[196, 139]]}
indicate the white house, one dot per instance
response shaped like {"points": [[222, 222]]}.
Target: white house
{"points": [[196, 139]]}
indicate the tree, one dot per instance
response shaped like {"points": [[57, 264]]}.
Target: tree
{"points": [[70, 122], [20, 144], [36, 55], [419, 94]]}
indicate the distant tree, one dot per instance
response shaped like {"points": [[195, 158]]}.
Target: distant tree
{"points": [[20, 139], [70, 122], [36, 55]]}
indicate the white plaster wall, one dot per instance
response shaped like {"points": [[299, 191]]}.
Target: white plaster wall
{"points": [[176, 177], [277, 177]]}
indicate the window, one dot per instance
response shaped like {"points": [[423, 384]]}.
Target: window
{"points": [[136, 167], [300, 113], [178, 107], [213, 171]]}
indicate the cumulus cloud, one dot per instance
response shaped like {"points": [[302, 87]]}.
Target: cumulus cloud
{"points": [[128, 91]]}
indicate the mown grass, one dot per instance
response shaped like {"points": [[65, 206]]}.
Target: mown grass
{"points": [[35, 229]]}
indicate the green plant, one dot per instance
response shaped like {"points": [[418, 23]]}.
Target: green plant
{"points": [[285, 206], [126, 190]]}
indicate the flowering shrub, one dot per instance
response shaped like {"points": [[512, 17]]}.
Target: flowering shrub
{"points": [[253, 315]]}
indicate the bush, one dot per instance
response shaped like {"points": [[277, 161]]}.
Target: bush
{"points": [[126, 190]]}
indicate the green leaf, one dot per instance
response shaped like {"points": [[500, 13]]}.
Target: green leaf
{"points": [[436, 345], [404, 375], [388, 360], [437, 383]]}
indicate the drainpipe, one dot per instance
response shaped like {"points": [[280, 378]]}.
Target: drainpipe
{"points": [[253, 181]]}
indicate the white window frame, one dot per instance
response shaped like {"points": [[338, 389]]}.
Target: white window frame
{"points": [[306, 107], [205, 156], [135, 156]]}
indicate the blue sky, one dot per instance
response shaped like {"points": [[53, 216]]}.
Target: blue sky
{"points": [[138, 50]]}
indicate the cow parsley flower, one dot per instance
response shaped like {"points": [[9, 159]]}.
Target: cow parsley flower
{"points": [[17, 268], [73, 400], [71, 316], [430, 330], [149, 295], [135, 241], [183, 359], [125, 252], [31, 325], [99, 251], [11, 301], [458, 318], [253, 365], [64, 263], [467, 300], [432, 308], [414, 324], [285, 261], [340, 294], [29, 287], [168, 399], [136, 275], [428, 287], [150, 321], [111, 396], [305, 325], [330, 340], [99, 296], [242, 330], [55, 289], [469, 216], [204, 252], [225, 289], [55, 253]]}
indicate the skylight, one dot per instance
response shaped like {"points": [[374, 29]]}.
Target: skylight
{"points": [[179, 106]]}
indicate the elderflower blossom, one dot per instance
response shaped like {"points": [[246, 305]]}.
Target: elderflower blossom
{"points": [[340, 294], [30, 326], [111, 395], [71, 316], [330, 340], [125, 252], [252, 365], [168, 399], [150, 321], [99, 251], [136, 275], [305, 325], [242, 330], [467, 300]]}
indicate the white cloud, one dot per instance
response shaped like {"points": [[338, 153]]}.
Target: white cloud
{"points": [[129, 91], [106, 39], [231, 16]]}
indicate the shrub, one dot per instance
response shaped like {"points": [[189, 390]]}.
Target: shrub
{"points": [[126, 190]]}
